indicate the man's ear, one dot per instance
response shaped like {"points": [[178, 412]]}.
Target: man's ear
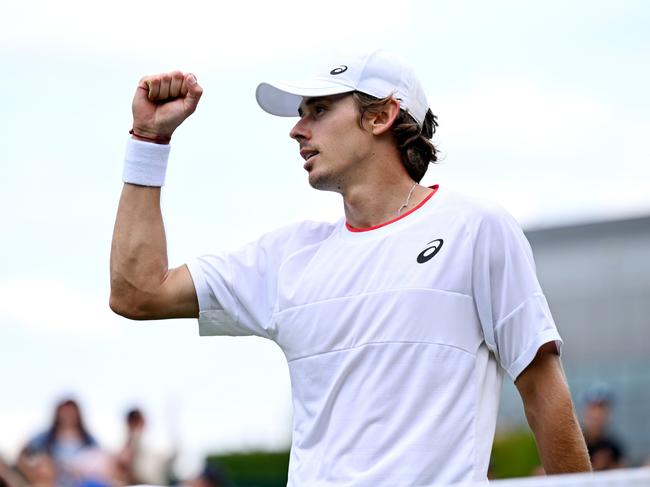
{"points": [[383, 121]]}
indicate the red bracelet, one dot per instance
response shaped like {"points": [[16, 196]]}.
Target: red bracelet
{"points": [[156, 140]]}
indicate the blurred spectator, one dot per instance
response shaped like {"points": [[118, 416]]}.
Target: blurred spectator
{"points": [[38, 469], [9, 478], [605, 451], [126, 458], [605, 455], [136, 463], [66, 455]]}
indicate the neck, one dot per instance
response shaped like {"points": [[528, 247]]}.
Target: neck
{"points": [[378, 189], [68, 432], [370, 205]]}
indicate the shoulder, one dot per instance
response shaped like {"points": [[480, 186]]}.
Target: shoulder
{"points": [[91, 440], [38, 442], [297, 235], [495, 235], [265, 252], [479, 213]]}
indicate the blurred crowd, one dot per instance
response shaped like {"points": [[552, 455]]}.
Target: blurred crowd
{"points": [[66, 454]]}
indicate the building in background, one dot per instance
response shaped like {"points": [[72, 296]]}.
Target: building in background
{"points": [[596, 277]]}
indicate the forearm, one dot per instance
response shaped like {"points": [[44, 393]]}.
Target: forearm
{"points": [[550, 413], [142, 285], [560, 443], [138, 251]]}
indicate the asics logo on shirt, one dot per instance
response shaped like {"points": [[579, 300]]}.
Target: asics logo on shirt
{"points": [[427, 254]]}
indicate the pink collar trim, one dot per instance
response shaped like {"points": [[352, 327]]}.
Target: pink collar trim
{"points": [[357, 230]]}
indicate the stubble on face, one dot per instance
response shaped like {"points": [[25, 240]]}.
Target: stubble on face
{"points": [[341, 143]]}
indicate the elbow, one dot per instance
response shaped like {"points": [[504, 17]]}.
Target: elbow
{"points": [[121, 307], [129, 299], [128, 306]]}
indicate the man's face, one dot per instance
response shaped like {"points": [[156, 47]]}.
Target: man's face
{"points": [[332, 143]]}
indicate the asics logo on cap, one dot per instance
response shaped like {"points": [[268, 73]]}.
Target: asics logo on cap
{"points": [[428, 253], [341, 69]]}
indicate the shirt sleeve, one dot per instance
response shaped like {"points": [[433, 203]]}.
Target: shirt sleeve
{"points": [[237, 290], [513, 311]]}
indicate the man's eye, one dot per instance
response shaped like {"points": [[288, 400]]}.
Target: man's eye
{"points": [[319, 109]]}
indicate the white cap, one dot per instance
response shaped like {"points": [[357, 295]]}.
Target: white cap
{"points": [[378, 73]]}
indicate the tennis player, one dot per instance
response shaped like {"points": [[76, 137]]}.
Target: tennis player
{"points": [[397, 321]]}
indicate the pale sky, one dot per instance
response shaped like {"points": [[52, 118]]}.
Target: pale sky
{"points": [[543, 107]]}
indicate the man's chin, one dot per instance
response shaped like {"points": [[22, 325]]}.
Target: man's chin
{"points": [[323, 183]]}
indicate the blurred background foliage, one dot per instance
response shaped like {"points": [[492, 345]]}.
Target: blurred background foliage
{"points": [[254, 469], [514, 454]]}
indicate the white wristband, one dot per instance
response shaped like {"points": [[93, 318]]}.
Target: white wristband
{"points": [[145, 163]]}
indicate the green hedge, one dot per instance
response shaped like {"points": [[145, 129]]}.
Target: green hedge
{"points": [[254, 469], [514, 454]]}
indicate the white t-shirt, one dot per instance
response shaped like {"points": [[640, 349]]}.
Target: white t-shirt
{"points": [[394, 336]]}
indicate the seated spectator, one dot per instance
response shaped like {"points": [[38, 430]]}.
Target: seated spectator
{"points": [[137, 463], [66, 449], [127, 458], [605, 451], [38, 469], [605, 455], [9, 478]]}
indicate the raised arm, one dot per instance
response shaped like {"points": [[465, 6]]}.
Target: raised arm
{"points": [[550, 413], [142, 285]]}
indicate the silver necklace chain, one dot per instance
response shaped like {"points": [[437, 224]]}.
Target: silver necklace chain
{"points": [[408, 198]]}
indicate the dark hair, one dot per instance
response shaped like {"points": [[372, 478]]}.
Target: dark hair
{"points": [[134, 415], [414, 142], [50, 436]]}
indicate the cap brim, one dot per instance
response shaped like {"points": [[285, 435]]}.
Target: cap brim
{"points": [[284, 98]]}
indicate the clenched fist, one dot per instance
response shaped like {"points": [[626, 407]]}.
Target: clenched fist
{"points": [[162, 102]]}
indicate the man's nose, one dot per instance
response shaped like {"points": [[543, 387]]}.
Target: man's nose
{"points": [[300, 130]]}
